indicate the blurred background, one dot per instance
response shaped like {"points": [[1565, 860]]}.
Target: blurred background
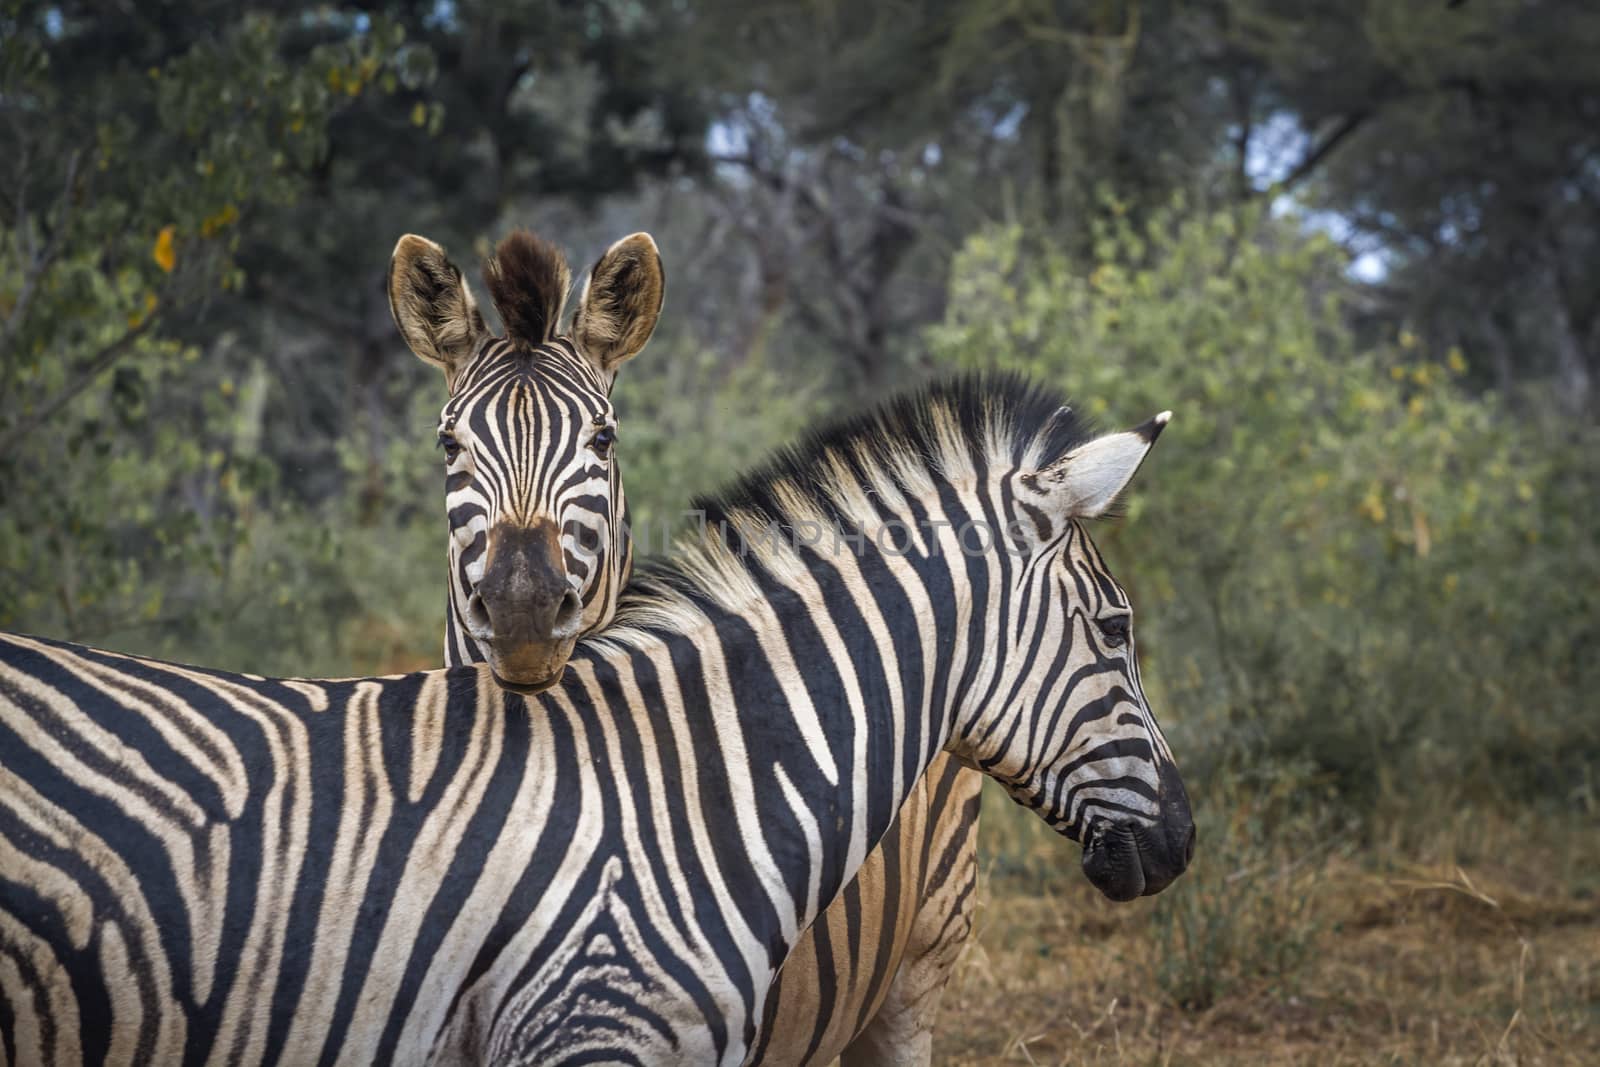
{"points": [[1355, 246]]}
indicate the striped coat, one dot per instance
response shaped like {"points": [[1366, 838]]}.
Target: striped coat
{"points": [[201, 866]]}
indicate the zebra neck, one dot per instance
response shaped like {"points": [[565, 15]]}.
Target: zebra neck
{"points": [[814, 707]]}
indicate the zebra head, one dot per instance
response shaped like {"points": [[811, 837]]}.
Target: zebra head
{"points": [[1071, 735], [538, 532]]}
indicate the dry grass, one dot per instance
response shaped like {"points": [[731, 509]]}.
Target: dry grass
{"points": [[1480, 944]]}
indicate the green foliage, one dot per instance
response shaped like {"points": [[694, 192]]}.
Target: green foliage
{"points": [[1341, 559], [688, 425], [130, 468], [1466, 149], [353, 584]]}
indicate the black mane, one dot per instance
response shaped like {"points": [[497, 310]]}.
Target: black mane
{"points": [[528, 278], [984, 406]]}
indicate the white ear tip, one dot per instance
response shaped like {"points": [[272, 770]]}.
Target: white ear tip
{"points": [[1150, 430]]}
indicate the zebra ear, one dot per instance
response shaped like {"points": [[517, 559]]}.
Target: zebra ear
{"points": [[1087, 480], [433, 305], [620, 304]]}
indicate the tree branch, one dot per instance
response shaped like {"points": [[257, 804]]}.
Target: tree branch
{"points": [[1314, 158], [102, 361], [42, 258], [774, 181], [1243, 100]]}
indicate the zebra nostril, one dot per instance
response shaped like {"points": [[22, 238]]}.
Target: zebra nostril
{"points": [[477, 614], [569, 616], [1188, 845]]}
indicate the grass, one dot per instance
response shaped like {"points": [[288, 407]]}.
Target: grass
{"points": [[1474, 940]]}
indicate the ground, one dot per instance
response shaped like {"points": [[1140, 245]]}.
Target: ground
{"points": [[1479, 946]]}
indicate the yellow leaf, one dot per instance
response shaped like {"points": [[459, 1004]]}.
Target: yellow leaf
{"points": [[1421, 534], [137, 318], [163, 253], [1458, 363], [213, 224], [419, 113]]}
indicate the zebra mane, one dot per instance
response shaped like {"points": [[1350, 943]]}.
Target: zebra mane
{"points": [[841, 476], [528, 279]]}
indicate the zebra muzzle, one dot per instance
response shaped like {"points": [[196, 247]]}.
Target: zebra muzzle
{"points": [[1130, 859], [532, 612], [1111, 862]]}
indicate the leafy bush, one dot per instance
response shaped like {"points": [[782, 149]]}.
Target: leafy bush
{"points": [[689, 423], [129, 468], [1340, 558]]}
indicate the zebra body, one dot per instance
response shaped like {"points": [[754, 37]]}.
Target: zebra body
{"points": [[367, 949], [205, 867]]}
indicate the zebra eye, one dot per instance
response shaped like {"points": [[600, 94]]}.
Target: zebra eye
{"points": [[452, 447], [602, 441], [1114, 630]]}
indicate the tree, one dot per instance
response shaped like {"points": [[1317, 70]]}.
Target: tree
{"points": [[132, 160], [1462, 143]]}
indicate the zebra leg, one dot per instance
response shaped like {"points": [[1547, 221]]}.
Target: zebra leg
{"points": [[900, 1034]]}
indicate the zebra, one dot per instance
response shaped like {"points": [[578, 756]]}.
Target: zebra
{"points": [[866, 979], [614, 869], [864, 985], [539, 543]]}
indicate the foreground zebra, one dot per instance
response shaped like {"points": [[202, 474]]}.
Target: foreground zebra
{"points": [[529, 436], [613, 870]]}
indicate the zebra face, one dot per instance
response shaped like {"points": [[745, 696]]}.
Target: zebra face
{"points": [[534, 507], [1076, 740], [538, 545]]}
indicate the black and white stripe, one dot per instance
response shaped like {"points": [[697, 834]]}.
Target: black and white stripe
{"points": [[538, 546], [523, 422], [200, 866]]}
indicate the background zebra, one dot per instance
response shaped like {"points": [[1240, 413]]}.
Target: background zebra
{"points": [[538, 523], [865, 982], [613, 870], [866, 979]]}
